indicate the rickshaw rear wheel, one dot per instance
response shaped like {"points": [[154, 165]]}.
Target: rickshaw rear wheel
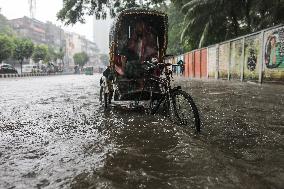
{"points": [[185, 110]]}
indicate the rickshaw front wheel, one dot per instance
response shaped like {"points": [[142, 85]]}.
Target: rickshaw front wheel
{"points": [[185, 110]]}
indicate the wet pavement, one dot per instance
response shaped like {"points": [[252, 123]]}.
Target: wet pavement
{"points": [[55, 134]]}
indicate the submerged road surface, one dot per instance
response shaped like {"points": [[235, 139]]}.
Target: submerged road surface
{"points": [[55, 134]]}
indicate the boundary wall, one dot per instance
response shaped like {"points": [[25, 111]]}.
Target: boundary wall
{"points": [[255, 57]]}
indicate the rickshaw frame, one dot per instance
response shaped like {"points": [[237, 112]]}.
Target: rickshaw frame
{"points": [[155, 89]]}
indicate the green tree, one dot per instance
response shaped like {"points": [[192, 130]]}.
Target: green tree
{"points": [[60, 55], [5, 27], [81, 59], [6, 47], [23, 50], [40, 53], [73, 11], [211, 21], [175, 45], [193, 23], [50, 56]]}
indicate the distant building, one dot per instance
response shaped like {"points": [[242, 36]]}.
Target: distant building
{"points": [[76, 43], [30, 28], [56, 38], [39, 32]]}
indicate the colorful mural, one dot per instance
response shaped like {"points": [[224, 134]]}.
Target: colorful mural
{"points": [[274, 54], [274, 49]]}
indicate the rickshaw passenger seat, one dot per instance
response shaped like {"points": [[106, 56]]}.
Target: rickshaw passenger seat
{"points": [[133, 69]]}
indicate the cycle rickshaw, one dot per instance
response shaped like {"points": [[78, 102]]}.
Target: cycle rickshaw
{"points": [[138, 43]]}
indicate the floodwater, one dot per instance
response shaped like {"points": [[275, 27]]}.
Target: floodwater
{"points": [[55, 134]]}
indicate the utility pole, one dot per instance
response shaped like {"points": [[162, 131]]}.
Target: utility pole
{"points": [[32, 4]]}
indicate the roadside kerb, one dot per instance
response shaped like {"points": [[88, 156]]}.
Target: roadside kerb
{"points": [[30, 75]]}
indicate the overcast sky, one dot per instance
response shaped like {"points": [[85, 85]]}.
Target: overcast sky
{"points": [[46, 11]]}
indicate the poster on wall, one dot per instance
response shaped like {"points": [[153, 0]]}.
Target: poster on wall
{"points": [[274, 54], [274, 49]]}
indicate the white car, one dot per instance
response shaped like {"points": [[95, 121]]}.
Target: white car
{"points": [[30, 68]]}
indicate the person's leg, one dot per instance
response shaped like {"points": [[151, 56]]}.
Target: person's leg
{"points": [[110, 96], [101, 94], [110, 89], [105, 99]]}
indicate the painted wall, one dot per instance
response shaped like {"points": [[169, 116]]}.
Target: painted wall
{"points": [[212, 62], [252, 57], [255, 57], [236, 59], [274, 54]]}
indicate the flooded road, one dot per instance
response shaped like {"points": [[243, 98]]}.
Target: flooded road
{"points": [[55, 134]]}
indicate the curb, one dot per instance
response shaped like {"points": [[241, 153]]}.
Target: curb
{"points": [[29, 75]]}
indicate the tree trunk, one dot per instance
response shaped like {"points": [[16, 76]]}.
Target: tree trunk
{"points": [[62, 64], [247, 14], [21, 62]]}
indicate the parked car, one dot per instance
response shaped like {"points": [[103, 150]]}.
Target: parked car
{"points": [[31, 68], [7, 69]]}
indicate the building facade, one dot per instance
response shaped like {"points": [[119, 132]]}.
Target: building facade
{"points": [[55, 38], [30, 28], [76, 43]]}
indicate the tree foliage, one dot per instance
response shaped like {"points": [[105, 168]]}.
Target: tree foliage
{"points": [[80, 59], [61, 54], [40, 53], [193, 23], [211, 21], [6, 47], [5, 28], [73, 11], [175, 45], [23, 49], [51, 55]]}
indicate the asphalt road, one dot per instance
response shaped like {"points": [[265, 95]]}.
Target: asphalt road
{"points": [[55, 134]]}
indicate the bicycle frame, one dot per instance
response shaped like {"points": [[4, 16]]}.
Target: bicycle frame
{"points": [[165, 85]]}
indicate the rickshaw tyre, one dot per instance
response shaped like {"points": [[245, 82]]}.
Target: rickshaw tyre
{"points": [[192, 105]]}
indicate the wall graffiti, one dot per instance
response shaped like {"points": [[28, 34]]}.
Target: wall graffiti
{"points": [[252, 60], [274, 50]]}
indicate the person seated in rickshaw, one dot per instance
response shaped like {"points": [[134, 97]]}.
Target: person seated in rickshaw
{"points": [[142, 46]]}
